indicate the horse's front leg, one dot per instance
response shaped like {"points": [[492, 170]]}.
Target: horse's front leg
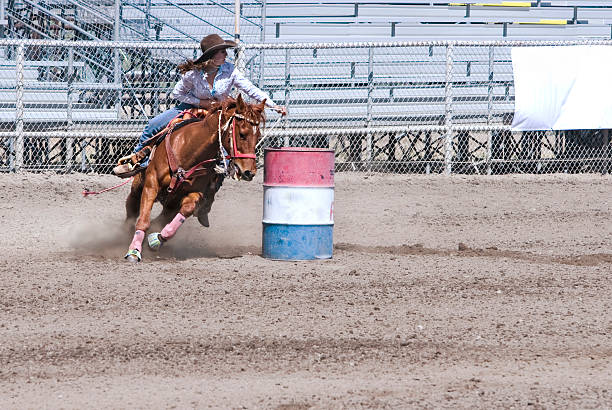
{"points": [[148, 196], [188, 206]]}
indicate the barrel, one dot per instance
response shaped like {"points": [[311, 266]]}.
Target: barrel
{"points": [[298, 208]]}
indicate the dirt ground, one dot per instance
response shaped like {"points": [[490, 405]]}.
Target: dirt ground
{"points": [[461, 291]]}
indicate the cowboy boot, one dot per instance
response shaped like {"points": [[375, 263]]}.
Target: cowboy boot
{"points": [[130, 164]]}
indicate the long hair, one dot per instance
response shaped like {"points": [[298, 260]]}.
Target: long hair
{"points": [[192, 65]]}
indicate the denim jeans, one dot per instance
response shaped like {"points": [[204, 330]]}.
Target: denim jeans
{"points": [[159, 122]]}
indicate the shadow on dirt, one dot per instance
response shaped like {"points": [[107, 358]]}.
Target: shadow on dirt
{"points": [[492, 252], [111, 241]]}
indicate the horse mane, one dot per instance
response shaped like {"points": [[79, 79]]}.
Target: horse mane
{"points": [[225, 105], [231, 103]]}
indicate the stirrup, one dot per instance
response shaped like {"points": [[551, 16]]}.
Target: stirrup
{"points": [[142, 154]]}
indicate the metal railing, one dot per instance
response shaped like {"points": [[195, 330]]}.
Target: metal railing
{"points": [[442, 107]]}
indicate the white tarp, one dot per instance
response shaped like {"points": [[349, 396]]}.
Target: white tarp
{"points": [[562, 87]]}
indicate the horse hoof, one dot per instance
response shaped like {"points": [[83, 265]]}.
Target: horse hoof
{"points": [[203, 219], [155, 241], [133, 256]]}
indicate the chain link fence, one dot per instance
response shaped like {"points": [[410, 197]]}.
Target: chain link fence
{"points": [[421, 107]]}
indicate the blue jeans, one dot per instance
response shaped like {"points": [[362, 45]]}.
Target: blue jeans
{"points": [[159, 122]]}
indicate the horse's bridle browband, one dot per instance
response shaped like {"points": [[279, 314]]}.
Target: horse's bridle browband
{"points": [[242, 117]]}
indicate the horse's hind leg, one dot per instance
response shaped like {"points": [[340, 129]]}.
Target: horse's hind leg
{"points": [[132, 203], [209, 197]]}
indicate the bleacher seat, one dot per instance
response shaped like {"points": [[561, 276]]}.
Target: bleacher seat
{"points": [[329, 83]]}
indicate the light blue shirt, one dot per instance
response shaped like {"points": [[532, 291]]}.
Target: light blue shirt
{"points": [[193, 86]]}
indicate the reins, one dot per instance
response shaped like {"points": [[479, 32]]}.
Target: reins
{"points": [[86, 192], [280, 117], [179, 174]]}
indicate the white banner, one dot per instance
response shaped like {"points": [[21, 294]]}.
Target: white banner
{"points": [[562, 87]]}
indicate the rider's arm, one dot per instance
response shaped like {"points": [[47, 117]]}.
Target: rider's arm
{"points": [[247, 87], [183, 90]]}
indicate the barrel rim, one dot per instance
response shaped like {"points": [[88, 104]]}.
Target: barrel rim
{"points": [[284, 185], [268, 222], [297, 149]]}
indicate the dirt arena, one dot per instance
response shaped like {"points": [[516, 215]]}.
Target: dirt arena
{"points": [[453, 291]]}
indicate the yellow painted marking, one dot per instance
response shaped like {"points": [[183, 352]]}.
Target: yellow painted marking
{"points": [[544, 21], [501, 4]]}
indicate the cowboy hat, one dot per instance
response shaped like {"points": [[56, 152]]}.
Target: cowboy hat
{"points": [[211, 44]]}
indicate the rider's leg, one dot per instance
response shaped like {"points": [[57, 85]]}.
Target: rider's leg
{"points": [[158, 123], [155, 125], [127, 165]]}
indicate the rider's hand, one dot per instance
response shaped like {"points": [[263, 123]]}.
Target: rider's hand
{"points": [[281, 109], [205, 103]]}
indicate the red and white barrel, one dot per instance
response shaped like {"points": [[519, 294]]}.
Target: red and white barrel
{"points": [[298, 209]]}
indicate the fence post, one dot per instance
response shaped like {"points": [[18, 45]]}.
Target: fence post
{"points": [[147, 24], [261, 77], [369, 106], [448, 111], [83, 155], [237, 21], [240, 59], [19, 142], [287, 89], [262, 39], [116, 58], [488, 154], [70, 78], [264, 10], [3, 32]]}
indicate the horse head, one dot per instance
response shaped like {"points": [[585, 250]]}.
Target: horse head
{"points": [[243, 133]]}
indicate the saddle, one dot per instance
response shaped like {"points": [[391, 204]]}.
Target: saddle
{"points": [[129, 165]]}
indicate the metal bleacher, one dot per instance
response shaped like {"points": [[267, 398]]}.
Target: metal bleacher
{"points": [[94, 70], [379, 20], [329, 78], [417, 94]]}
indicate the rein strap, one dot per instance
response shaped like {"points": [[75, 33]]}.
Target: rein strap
{"points": [[179, 174]]}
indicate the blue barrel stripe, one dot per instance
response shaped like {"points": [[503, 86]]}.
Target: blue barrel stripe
{"points": [[297, 242]]}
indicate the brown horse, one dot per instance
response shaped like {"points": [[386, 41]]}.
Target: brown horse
{"points": [[181, 172]]}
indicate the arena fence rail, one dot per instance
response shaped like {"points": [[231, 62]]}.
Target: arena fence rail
{"points": [[401, 107]]}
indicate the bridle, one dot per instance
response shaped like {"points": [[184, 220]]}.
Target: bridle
{"points": [[233, 146], [179, 174]]}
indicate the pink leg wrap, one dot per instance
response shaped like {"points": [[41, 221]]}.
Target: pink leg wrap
{"points": [[137, 241], [170, 229]]}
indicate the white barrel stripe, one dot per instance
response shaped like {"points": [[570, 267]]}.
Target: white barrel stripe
{"points": [[298, 205]]}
